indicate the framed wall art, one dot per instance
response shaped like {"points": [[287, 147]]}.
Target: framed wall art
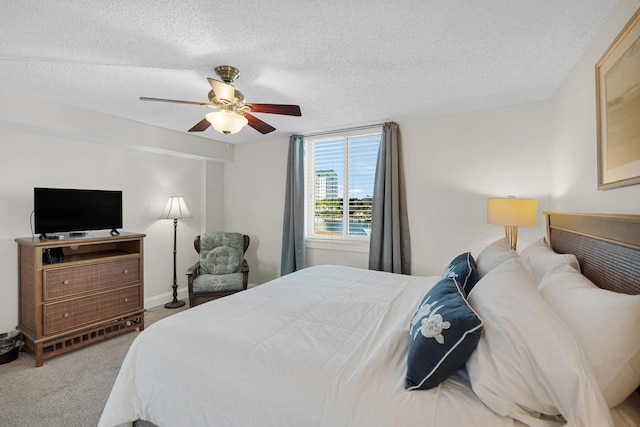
{"points": [[618, 109]]}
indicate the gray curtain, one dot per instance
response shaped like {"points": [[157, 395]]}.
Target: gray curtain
{"points": [[389, 246], [293, 251]]}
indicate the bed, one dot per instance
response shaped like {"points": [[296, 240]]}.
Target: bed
{"points": [[340, 346]]}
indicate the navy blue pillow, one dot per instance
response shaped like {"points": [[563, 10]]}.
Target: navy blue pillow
{"points": [[464, 270], [443, 333]]}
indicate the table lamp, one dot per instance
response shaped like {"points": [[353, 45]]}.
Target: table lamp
{"points": [[512, 213]]}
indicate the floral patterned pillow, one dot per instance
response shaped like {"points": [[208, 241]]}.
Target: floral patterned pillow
{"points": [[444, 331], [464, 271], [221, 260]]}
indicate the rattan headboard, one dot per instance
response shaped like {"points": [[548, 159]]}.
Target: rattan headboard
{"points": [[606, 245]]}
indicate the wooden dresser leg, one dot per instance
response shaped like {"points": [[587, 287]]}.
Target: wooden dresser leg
{"points": [[39, 355]]}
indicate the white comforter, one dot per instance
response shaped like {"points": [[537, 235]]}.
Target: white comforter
{"points": [[325, 346]]}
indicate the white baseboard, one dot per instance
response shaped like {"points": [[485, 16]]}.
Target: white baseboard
{"points": [[165, 298]]}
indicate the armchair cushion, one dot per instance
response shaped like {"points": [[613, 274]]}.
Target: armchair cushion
{"points": [[220, 252], [221, 260], [212, 282]]}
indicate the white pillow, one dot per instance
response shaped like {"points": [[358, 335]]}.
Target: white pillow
{"points": [[539, 259], [605, 323], [494, 255], [527, 362]]}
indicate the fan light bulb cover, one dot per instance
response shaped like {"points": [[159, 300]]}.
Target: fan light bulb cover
{"points": [[227, 121], [226, 92], [223, 91]]}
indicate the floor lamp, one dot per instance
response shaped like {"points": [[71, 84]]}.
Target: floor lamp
{"points": [[175, 209], [512, 213]]}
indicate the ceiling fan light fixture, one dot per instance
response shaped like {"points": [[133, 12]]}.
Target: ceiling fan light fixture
{"points": [[231, 113], [227, 122]]}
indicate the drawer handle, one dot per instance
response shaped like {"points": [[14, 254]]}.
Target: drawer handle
{"points": [[126, 271], [66, 315], [66, 282], [126, 300]]}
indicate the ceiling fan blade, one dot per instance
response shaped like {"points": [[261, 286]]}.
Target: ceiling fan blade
{"points": [[200, 126], [176, 101], [259, 125], [223, 91], [285, 109]]}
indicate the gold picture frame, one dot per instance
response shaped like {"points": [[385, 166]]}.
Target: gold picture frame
{"points": [[618, 109]]}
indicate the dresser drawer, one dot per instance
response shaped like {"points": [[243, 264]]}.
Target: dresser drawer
{"points": [[69, 281], [119, 272], [62, 315]]}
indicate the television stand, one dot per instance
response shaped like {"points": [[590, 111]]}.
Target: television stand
{"points": [[92, 292]]}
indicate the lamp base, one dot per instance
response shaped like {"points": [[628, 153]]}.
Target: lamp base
{"points": [[174, 304], [511, 233]]}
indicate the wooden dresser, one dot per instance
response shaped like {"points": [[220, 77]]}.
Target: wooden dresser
{"points": [[94, 292]]}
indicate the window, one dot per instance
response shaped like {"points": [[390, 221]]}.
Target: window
{"points": [[339, 176]]}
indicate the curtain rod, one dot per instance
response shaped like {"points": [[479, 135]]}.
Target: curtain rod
{"points": [[308, 135]]}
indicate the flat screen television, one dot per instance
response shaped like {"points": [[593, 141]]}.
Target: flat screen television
{"points": [[76, 211]]}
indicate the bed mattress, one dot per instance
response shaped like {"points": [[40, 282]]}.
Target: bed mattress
{"points": [[325, 346]]}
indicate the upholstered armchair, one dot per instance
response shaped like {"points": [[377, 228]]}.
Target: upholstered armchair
{"points": [[221, 270]]}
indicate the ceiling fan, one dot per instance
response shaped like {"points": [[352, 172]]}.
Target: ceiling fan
{"points": [[232, 112]]}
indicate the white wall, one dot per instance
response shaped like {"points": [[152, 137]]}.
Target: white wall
{"points": [[575, 180], [212, 196], [452, 164], [62, 154], [254, 203]]}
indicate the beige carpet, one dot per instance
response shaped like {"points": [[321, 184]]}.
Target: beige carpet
{"points": [[70, 389]]}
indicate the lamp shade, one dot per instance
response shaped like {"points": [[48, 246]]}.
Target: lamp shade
{"points": [[226, 121], [512, 212], [175, 208]]}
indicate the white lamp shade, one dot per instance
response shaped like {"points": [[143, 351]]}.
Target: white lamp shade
{"points": [[175, 208], [512, 212], [227, 121]]}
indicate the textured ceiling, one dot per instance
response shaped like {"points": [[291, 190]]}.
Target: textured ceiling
{"points": [[346, 63]]}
